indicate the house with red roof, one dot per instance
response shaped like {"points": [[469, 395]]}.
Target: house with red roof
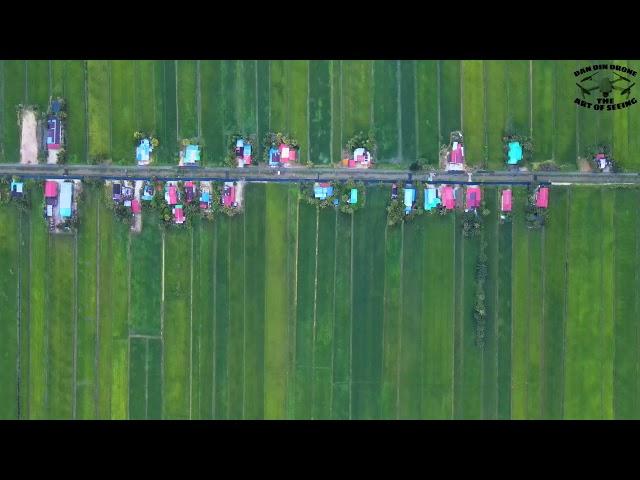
{"points": [[283, 156], [447, 194], [361, 158], [542, 197], [474, 196]]}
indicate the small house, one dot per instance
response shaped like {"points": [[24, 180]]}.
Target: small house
{"points": [[17, 189], [455, 156], [66, 194], [147, 192], [178, 215], [51, 193], [205, 195], [474, 196], [143, 152], [322, 190], [189, 191], [353, 197], [431, 199], [116, 192], [515, 153], [542, 197], [505, 200], [284, 155], [448, 197], [394, 191], [192, 155], [361, 159], [603, 162], [409, 198], [243, 152], [54, 132], [135, 206], [229, 195]]}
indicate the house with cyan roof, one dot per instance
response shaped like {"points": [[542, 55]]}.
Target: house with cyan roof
{"points": [[431, 198], [205, 195], [66, 197], [542, 197], [243, 152], [191, 155], [322, 190], [505, 201], [147, 192], [17, 189], [143, 152], [474, 196], [514, 154], [409, 198], [353, 196]]}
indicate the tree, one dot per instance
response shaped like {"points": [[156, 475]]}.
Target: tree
{"points": [[415, 166]]}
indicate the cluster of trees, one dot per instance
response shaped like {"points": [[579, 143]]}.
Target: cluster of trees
{"points": [[341, 192], [139, 135], [525, 142], [230, 159], [22, 203], [594, 149], [362, 140], [275, 139], [479, 306], [471, 224], [535, 217], [547, 166]]}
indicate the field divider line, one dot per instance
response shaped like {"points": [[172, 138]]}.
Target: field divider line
{"points": [[129, 320], [543, 390], [566, 299], [351, 326], [19, 320], [146, 377], [295, 301], [162, 380], [74, 400], [213, 312], [333, 317], [601, 316], [452, 222], [399, 108], [191, 329], [613, 315], [401, 304], [315, 315], [96, 360]]}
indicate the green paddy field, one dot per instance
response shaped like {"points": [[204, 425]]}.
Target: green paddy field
{"points": [[412, 105], [292, 312]]}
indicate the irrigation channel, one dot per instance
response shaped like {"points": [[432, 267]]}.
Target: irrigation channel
{"points": [[266, 174]]}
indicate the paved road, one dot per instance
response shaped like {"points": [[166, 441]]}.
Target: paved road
{"points": [[266, 174]]}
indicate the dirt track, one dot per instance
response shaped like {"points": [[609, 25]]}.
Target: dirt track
{"points": [[29, 138]]}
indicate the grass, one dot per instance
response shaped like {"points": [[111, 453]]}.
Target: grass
{"points": [[14, 94], [320, 112], [99, 107], [408, 111], [75, 88], [123, 103], [428, 121], [473, 108], [211, 97], [186, 74], [495, 87]]}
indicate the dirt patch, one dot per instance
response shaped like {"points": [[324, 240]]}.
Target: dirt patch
{"points": [[29, 138], [240, 194], [52, 157], [584, 165]]}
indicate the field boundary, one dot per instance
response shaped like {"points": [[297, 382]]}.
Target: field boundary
{"points": [[566, 301], [401, 304], [315, 314]]}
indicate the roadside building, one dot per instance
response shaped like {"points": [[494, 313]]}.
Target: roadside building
{"points": [[603, 162], [447, 194], [189, 191], [143, 152], [229, 195], [360, 158], [283, 156], [243, 152], [205, 195], [17, 189], [353, 196], [191, 155], [455, 156], [171, 194], [178, 215], [66, 197], [147, 192], [50, 196]]}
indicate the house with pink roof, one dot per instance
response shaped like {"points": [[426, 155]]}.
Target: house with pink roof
{"points": [[228, 197], [171, 194], [474, 196], [542, 197], [505, 201], [448, 197]]}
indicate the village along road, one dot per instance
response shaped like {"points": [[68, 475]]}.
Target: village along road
{"points": [[297, 174]]}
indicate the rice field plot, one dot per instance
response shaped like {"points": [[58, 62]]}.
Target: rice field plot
{"points": [[543, 81], [495, 74], [320, 112], [211, 113], [123, 103], [222, 320], [299, 106], [565, 142], [385, 108], [367, 309], [518, 97], [473, 111], [88, 249], [632, 161], [276, 345], [450, 101], [9, 312], [356, 97], [144, 92], [38, 83], [427, 99], [99, 108], [186, 77], [177, 321], [408, 110], [75, 88], [166, 106]]}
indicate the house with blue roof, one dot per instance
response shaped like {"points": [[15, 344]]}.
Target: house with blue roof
{"points": [[147, 192], [17, 189], [243, 152], [66, 194], [322, 190], [515, 153], [143, 152]]}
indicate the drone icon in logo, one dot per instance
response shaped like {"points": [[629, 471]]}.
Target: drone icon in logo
{"points": [[604, 84]]}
